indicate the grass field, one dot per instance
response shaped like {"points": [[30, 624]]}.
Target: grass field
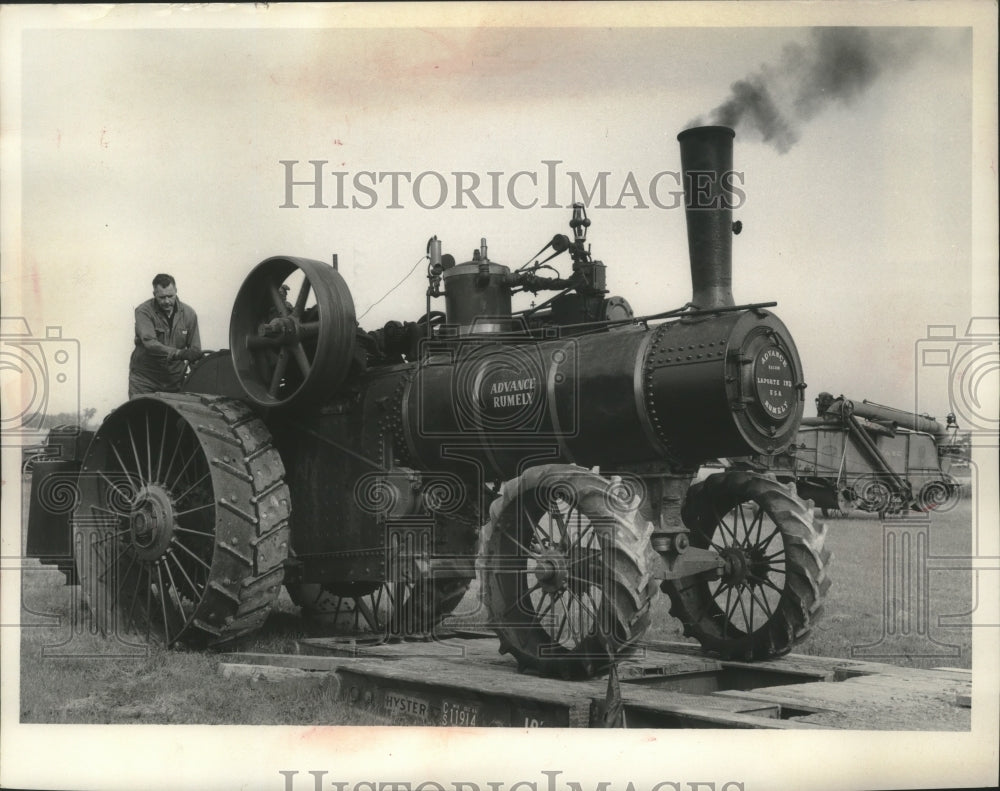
{"points": [[70, 675]]}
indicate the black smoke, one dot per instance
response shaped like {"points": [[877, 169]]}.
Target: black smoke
{"points": [[838, 64]]}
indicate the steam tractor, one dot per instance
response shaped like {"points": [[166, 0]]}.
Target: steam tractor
{"points": [[550, 450], [859, 454]]}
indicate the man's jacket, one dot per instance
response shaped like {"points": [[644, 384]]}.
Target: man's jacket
{"points": [[156, 336]]}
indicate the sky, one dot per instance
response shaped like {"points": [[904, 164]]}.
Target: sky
{"points": [[149, 150]]}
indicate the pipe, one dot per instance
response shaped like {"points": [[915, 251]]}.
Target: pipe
{"points": [[873, 411], [910, 420], [707, 166], [875, 457]]}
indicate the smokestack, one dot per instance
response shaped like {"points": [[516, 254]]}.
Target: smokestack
{"points": [[707, 164]]}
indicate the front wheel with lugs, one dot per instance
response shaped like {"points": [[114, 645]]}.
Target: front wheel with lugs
{"points": [[567, 570], [181, 530], [774, 580]]}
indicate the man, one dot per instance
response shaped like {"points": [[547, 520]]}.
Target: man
{"points": [[166, 339]]}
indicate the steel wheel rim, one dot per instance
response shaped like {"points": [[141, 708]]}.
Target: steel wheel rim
{"points": [[147, 520], [350, 607], [934, 496], [553, 553], [875, 496], [752, 585]]}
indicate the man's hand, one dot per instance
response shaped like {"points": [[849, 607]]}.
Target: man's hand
{"points": [[188, 354]]}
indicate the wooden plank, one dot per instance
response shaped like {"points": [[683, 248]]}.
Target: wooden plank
{"points": [[654, 708], [299, 661], [806, 664], [432, 691], [476, 678], [922, 682], [868, 702], [648, 663], [645, 663], [673, 647], [640, 716], [783, 697], [448, 633], [420, 688], [697, 683], [464, 681], [792, 664], [443, 649], [851, 669], [269, 672]]}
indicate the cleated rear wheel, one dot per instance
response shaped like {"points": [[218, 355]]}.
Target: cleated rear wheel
{"points": [[772, 588], [181, 531]]}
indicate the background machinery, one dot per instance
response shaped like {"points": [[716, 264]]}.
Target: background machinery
{"points": [[549, 449], [870, 457]]}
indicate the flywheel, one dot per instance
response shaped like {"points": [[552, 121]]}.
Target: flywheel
{"points": [[567, 571], [181, 531], [772, 588], [292, 331]]}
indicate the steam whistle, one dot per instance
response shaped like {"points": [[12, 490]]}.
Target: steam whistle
{"points": [[578, 249], [434, 268], [579, 224], [434, 253]]}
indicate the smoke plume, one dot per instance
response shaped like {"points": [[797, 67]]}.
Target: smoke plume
{"points": [[838, 65]]}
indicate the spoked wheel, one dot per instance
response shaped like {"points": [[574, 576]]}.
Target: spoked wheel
{"points": [[774, 580], [181, 530], [385, 610], [566, 571], [935, 496], [874, 496], [349, 607], [289, 351]]}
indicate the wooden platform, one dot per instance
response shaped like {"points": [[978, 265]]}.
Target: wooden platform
{"points": [[463, 681]]}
